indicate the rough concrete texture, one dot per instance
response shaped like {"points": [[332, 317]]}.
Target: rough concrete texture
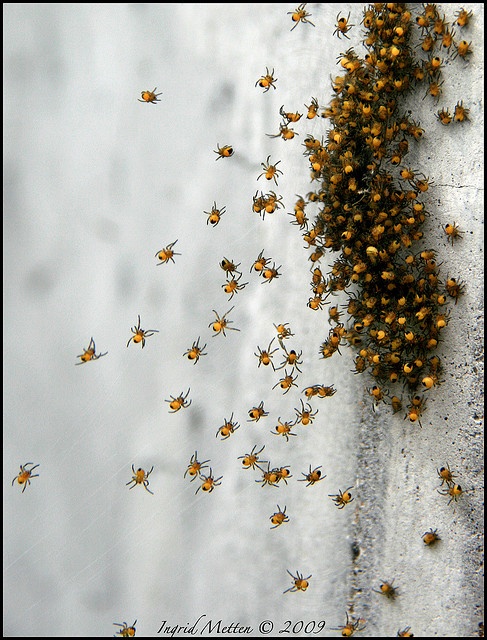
{"points": [[96, 183]]}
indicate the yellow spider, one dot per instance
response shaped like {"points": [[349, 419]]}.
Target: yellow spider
{"points": [[178, 403], [167, 254], [224, 152], [140, 477], [140, 334], [125, 631], [89, 354], [149, 96], [25, 475]]}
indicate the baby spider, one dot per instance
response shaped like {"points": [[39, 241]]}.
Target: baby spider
{"points": [[446, 475], [223, 152], [312, 109], [299, 583], [140, 477], [221, 324], [265, 357], [232, 286], [24, 475], [292, 358], [282, 473], [215, 214], [195, 351], [300, 15], [342, 499], [178, 403], [270, 273], [140, 334], [269, 476], [454, 491], [149, 96], [164, 255], [453, 232], [279, 517], [430, 537], [284, 429], [283, 331], [227, 428], [260, 263], [386, 589], [256, 413], [405, 633], [209, 483], [89, 354], [287, 382], [267, 81], [312, 477], [195, 466], [305, 416], [229, 266], [343, 26], [125, 631], [285, 132], [270, 170], [351, 626], [290, 116], [250, 460]]}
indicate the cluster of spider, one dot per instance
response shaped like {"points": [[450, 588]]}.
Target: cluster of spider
{"points": [[372, 213]]}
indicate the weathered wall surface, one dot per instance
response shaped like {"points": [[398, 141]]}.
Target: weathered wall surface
{"points": [[95, 184]]}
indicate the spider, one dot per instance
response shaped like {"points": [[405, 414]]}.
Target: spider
{"points": [[215, 214], [343, 26], [224, 152], [267, 81], [195, 466], [149, 96], [178, 403], [229, 267], [256, 413], [312, 477], [351, 626], [265, 357], [283, 331], [140, 477], [167, 254], [305, 416], [342, 499], [299, 583], [249, 460], [227, 428], [279, 517], [25, 475], [446, 475], [125, 631], [260, 263], [287, 382], [232, 286], [140, 334], [209, 483], [195, 352], [221, 324], [89, 354], [284, 429], [292, 358], [269, 476], [454, 491], [386, 589], [300, 15], [270, 170]]}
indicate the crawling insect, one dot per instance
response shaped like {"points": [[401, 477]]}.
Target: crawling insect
{"points": [[227, 428], [89, 354], [453, 232], [352, 625], [386, 589], [430, 537], [286, 382], [446, 475], [209, 483], [299, 583], [195, 351], [343, 26], [270, 170], [250, 460], [256, 413], [283, 429], [305, 416], [178, 403], [233, 286], [229, 266], [312, 477], [140, 477], [300, 15], [453, 490], [140, 334], [265, 356], [342, 499], [24, 476], [195, 466], [224, 152], [405, 633], [269, 477], [279, 517], [166, 254], [149, 96], [125, 631], [260, 263], [283, 330], [220, 324], [267, 81], [292, 358], [215, 214]]}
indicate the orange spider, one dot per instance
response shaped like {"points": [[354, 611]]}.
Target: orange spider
{"points": [[140, 334], [250, 460], [25, 475], [209, 483], [195, 466], [125, 631], [279, 517], [89, 354], [300, 15], [149, 96], [178, 403], [299, 583], [220, 324], [140, 477], [167, 254]]}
